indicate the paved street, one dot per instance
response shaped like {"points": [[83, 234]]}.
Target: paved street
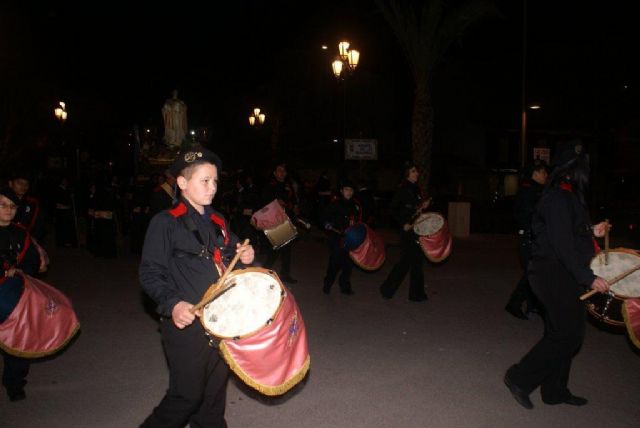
{"points": [[374, 363]]}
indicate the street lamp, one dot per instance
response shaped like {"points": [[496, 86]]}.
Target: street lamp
{"points": [[343, 66], [257, 118], [61, 112]]}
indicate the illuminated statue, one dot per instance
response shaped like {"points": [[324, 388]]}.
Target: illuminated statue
{"points": [[174, 113]]}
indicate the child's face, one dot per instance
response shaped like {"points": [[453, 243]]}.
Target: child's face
{"points": [[201, 187]]}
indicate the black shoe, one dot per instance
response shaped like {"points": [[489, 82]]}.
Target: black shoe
{"points": [[347, 291], [289, 280], [572, 400], [521, 397], [419, 298], [16, 394], [516, 312]]}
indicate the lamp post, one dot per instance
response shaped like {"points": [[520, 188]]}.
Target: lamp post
{"points": [[343, 66]]}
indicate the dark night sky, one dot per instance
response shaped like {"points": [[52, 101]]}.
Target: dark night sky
{"points": [[118, 64]]}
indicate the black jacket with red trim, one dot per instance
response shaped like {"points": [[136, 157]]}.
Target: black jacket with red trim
{"points": [[174, 266], [17, 250]]}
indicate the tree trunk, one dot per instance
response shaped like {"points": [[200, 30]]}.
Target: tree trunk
{"points": [[422, 131]]}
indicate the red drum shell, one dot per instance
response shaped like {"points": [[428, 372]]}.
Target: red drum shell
{"points": [[437, 246], [371, 254], [42, 322], [274, 359]]}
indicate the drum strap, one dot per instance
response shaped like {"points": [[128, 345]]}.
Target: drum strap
{"points": [[204, 251]]}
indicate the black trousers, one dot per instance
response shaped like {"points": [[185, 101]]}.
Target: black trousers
{"points": [[548, 363], [285, 254], [523, 292], [411, 259], [197, 381], [339, 260], [14, 374]]}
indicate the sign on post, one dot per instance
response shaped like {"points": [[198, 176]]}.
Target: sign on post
{"points": [[360, 149]]}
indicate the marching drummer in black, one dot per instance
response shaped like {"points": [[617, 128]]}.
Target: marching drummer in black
{"points": [[29, 210], [405, 206], [16, 254], [185, 251], [559, 272], [531, 187], [281, 189], [339, 215]]}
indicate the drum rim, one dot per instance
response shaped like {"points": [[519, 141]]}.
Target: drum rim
{"points": [[431, 214], [623, 250], [283, 295]]}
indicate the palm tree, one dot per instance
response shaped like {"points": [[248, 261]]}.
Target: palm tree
{"points": [[425, 30]]}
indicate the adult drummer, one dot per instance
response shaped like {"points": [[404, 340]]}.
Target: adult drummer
{"points": [[559, 272], [406, 204], [185, 250], [16, 254], [343, 212]]}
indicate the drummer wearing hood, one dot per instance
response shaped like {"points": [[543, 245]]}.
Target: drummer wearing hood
{"points": [[559, 272]]}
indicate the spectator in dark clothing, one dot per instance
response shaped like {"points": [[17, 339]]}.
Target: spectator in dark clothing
{"points": [[163, 195], [65, 216]]}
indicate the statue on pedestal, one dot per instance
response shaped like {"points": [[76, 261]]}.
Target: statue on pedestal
{"points": [[174, 113]]}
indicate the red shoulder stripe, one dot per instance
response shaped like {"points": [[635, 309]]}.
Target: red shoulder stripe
{"points": [[179, 210]]}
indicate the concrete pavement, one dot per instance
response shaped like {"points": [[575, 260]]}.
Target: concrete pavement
{"points": [[374, 363]]}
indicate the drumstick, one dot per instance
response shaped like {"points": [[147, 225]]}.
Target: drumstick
{"points": [[613, 281], [606, 241], [215, 289]]}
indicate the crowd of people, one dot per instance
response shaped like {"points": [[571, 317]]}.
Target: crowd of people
{"points": [[186, 228]]}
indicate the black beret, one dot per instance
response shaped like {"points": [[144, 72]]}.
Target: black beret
{"points": [[346, 183], [18, 173], [567, 152], [191, 155], [10, 194]]}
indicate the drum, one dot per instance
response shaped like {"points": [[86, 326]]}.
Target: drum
{"points": [[434, 236], [366, 247], [275, 224], [38, 320], [608, 308], [263, 336]]}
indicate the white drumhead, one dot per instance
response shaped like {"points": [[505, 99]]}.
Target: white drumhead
{"points": [[619, 263], [247, 306], [428, 224]]}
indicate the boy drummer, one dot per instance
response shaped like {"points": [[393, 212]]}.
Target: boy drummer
{"points": [[183, 254]]}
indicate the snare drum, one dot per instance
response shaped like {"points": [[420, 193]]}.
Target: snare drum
{"points": [[263, 334], [275, 224], [365, 246], [434, 236], [608, 307], [36, 319]]}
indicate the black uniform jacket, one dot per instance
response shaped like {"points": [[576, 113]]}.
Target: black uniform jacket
{"points": [[562, 232], [30, 216], [17, 250], [525, 204], [175, 265], [405, 202], [342, 213]]}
